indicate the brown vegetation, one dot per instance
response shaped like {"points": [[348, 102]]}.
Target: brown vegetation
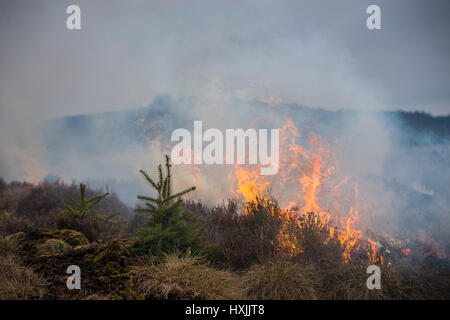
{"points": [[185, 276], [241, 260]]}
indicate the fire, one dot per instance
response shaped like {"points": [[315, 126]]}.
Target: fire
{"points": [[313, 179], [406, 251], [249, 183], [305, 182], [349, 237]]}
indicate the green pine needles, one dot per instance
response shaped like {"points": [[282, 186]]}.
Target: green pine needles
{"points": [[169, 226], [82, 209], [164, 188], [81, 216]]}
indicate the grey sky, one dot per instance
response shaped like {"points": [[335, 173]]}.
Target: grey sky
{"points": [[315, 53]]}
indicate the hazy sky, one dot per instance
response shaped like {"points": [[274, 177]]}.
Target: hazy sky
{"points": [[315, 53]]}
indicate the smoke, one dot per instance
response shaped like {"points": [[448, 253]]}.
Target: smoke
{"points": [[400, 170], [231, 65]]}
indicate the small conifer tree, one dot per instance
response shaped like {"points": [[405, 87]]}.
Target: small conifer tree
{"points": [[169, 226], [82, 209], [81, 216]]}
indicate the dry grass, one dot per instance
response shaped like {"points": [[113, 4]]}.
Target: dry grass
{"points": [[348, 282], [185, 277], [345, 282], [7, 246], [282, 280], [16, 280], [400, 282]]}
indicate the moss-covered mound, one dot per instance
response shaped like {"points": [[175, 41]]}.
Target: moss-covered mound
{"points": [[72, 237], [105, 267], [37, 241], [53, 247], [113, 257]]}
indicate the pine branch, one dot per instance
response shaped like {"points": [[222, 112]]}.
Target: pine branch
{"points": [[163, 188], [168, 165], [149, 180], [148, 199], [95, 200], [73, 201], [179, 194], [82, 209], [143, 210]]}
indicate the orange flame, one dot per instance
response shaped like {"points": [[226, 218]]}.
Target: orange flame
{"points": [[302, 176]]}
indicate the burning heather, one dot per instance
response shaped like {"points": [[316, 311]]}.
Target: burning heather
{"points": [[317, 216], [307, 184], [242, 150], [312, 186]]}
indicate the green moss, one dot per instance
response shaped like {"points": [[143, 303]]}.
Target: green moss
{"points": [[72, 237], [112, 257], [82, 247], [53, 247], [116, 250]]}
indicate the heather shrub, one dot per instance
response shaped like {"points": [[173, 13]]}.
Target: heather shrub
{"points": [[311, 238], [11, 223], [26, 207], [13, 194], [49, 196], [247, 236], [94, 227]]}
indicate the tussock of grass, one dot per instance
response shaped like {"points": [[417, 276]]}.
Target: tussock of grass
{"points": [[399, 282], [16, 280], [345, 282], [348, 282], [185, 276], [7, 246], [281, 280]]}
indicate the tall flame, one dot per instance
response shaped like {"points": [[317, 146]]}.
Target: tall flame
{"points": [[302, 178]]}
